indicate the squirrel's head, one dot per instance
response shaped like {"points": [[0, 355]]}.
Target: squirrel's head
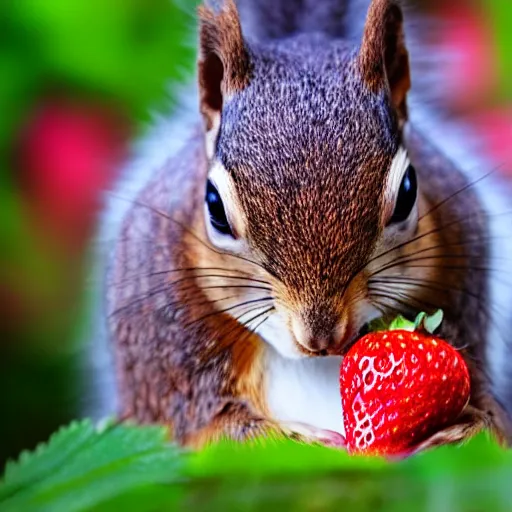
{"points": [[308, 177]]}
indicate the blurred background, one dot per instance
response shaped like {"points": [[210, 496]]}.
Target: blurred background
{"points": [[78, 80]]}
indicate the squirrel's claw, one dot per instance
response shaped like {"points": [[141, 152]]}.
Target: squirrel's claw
{"points": [[313, 435], [469, 423]]}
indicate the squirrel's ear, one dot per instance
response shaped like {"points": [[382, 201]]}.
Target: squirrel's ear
{"points": [[383, 57], [224, 63]]}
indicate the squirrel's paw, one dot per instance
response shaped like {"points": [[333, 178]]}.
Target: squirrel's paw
{"points": [[469, 424], [313, 435]]}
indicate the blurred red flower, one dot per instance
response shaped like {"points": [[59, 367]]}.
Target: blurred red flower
{"points": [[472, 76], [495, 128], [68, 154], [467, 37]]}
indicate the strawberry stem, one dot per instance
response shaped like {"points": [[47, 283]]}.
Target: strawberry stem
{"points": [[422, 322], [429, 323], [401, 323]]}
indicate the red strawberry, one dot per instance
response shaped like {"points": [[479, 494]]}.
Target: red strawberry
{"points": [[398, 388]]}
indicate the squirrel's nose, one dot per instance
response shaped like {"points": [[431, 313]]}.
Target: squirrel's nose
{"points": [[316, 340]]}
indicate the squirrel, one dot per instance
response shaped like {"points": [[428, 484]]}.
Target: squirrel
{"points": [[304, 194]]}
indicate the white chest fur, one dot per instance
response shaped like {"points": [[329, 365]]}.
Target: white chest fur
{"points": [[304, 390]]}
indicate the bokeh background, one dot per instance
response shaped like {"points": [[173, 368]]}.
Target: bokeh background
{"points": [[78, 80]]}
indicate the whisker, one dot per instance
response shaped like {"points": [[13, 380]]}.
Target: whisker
{"points": [[457, 244], [152, 292], [484, 306], [432, 232], [189, 269], [227, 310], [460, 191], [394, 286], [382, 306], [246, 286], [166, 216], [407, 299], [252, 330], [194, 276], [455, 267], [259, 324], [178, 304], [409, 257], [227, 337], [487, 314], [426, 284], [386, 308], [403, 262], [148, 294], [358, 270]]}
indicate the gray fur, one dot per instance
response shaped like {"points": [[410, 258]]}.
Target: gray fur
{"points": [[306, 165], [266, 19], [278, 20], [326, 122]]}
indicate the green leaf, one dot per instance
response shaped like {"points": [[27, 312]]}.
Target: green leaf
{"points": [[401, 323], [34, 466], [84, 465], [290, 476], [268, 457], [378, 324], [430, 323], [122, 468], [423, 322]]}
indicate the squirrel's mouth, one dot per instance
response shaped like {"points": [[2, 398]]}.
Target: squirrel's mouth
{"points": [[363, 331], [341, 350]]}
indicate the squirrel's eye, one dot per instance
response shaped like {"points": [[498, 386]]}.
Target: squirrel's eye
{"points": [[216, 210], [406, 197]]}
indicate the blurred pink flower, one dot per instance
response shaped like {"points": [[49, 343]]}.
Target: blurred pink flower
{"points": [[472, 79], [68, 154], [472, 75], [495, 128]]}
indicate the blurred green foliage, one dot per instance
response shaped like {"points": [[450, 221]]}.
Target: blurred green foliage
{"points": [[123, 53], [500, 18], [126, 51], [122, 467], [119, 53]]}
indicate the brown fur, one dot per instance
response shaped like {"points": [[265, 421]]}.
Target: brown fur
{"points": [[383, 58], [224, 63], [307, 145]]}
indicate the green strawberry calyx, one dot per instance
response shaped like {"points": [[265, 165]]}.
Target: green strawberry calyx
{"points": [[423, 322]]}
